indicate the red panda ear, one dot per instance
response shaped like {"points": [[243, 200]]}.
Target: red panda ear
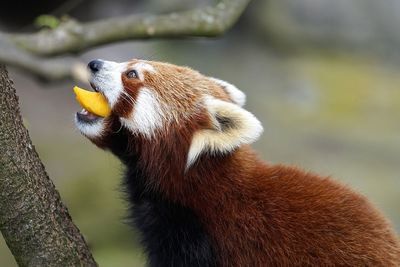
{"points": [[233, 126], [237, 96]]}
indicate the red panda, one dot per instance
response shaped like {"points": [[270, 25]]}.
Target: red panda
{"points": [[201, 196]]}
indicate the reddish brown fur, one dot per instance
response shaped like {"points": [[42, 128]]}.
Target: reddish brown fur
{"points": [[257, 214], [265, 215], [170, 83], [124, 107]]}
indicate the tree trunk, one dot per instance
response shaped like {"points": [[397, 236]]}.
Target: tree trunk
{"points": [[35, 224]]}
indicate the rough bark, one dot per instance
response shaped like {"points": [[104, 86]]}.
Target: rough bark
{"points": [[33, 220], [27, 51]]}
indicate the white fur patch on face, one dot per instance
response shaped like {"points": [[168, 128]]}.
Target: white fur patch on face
{"points": [[233, 126], [147, 115], [91, 130], [108, 80], [141, 67], [234, 93]]}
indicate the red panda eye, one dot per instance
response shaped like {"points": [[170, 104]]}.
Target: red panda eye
{"points": [[132, 74]]}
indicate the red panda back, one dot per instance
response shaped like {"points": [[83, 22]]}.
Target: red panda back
{"points": [[274, 215]]}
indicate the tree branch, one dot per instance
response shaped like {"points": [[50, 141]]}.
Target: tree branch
{"points": [[47, 68], [73, 37], [34, 222]]}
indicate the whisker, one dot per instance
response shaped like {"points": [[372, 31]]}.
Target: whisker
{"points": [[128, 98]]}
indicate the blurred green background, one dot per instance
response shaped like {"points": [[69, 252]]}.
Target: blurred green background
{"points": [[321, 75]]}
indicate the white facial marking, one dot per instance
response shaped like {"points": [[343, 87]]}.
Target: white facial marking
{"points": [[235, 94], [108, 80], [243, 128], [141, 67], [94, 129], [147, 115]]}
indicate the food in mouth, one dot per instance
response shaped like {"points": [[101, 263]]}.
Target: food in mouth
{"points": [[94, 104]]}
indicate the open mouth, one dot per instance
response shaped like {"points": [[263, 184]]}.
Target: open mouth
{"points": [[94, 104], [94, 87], [86, 116]]}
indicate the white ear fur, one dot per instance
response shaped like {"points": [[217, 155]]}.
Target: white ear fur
{"points": [[233, 126], [234, 93]]}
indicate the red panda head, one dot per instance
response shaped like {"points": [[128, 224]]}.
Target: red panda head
{"points": [[172, 108]]}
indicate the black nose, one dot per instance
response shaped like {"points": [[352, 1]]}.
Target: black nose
{"points": [[95, 65]]}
